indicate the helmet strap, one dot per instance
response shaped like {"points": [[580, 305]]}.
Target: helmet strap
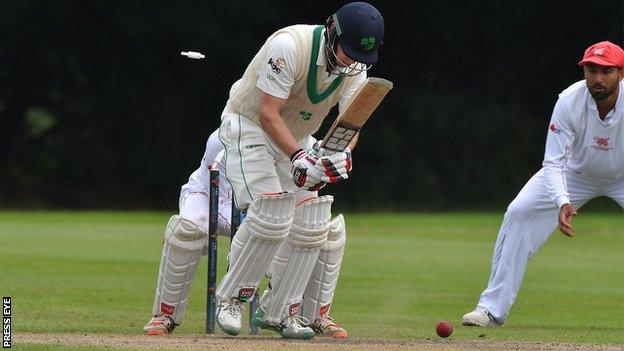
{"points": [[331, 43]]}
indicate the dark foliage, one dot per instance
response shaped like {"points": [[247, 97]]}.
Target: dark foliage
{"points": [[99, 110]]}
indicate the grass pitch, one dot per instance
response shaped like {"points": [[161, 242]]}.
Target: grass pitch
{"points": [[95, 272]]}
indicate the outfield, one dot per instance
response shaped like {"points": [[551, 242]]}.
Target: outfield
{"points": [[95, 273]]}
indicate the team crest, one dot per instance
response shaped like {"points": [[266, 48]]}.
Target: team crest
{"points": [[554, 129], [306, 116], [598, 51], [602, 144], [368, 43]]}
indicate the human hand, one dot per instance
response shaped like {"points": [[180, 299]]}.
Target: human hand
{"points": [[335, 167], [304, 171], [566, 213]]}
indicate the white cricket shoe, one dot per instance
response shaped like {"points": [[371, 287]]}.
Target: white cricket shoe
{"points": [[229, 316], [481, 317], [292, 327]]}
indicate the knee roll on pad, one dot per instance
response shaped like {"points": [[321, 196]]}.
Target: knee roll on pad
{"points": [[319, 293], [181, 253], [267, 223], [295, 258]]}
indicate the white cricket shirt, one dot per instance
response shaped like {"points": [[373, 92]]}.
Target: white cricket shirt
{"points": [[579, 141]]}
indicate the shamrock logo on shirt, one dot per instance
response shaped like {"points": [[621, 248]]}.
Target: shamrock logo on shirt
{"points": [[305, 115]]}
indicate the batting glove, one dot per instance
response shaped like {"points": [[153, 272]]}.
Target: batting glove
{"points": [[335, 168], [304, 173]]}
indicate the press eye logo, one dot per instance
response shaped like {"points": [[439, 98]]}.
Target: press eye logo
{"points": [[6, 322], [368, 43]]}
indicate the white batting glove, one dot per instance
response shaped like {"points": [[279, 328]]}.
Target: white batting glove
{"points": [[335, 168], [304, 173]]}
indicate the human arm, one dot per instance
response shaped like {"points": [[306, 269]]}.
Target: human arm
{"points": [[273, 124], [559, 141], [276, 78]]}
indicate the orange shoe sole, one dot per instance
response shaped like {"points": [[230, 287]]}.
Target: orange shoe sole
{"points": [[340, 335]]}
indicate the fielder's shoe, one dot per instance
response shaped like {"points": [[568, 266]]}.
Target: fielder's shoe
{"points": [[229, 316], [326, 326], [292, 327], [160, 324], [481, 317]]}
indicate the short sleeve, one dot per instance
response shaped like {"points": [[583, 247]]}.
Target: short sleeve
{"points": [[277, 74]]}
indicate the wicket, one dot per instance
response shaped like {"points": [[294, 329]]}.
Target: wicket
{"points": [[237, 218]]}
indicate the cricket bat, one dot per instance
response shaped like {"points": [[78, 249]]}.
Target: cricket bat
{"points": [[361, 106]]}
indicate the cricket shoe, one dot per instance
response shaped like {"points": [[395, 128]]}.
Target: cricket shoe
{"points": [[481, 317], [160, 324], [292, 327], [326, 326], [229, 316]]}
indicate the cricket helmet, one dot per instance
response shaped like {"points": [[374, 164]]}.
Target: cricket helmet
{"points": [[360, 30]]}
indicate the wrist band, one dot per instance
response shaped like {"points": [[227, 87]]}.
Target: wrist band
{"points": [[292, 157]]}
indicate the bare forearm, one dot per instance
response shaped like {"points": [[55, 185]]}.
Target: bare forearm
{"points": [[274, 126]]}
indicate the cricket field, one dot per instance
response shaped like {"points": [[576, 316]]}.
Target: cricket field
{"points": [[86, 280]]}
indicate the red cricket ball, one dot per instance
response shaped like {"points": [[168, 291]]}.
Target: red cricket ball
{"points": [[444, 329]]}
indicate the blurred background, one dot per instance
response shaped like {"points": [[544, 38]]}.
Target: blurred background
{"points": [[98, 110]]}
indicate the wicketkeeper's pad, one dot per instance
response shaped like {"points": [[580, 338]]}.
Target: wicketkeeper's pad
{"points": [[180, 257]]}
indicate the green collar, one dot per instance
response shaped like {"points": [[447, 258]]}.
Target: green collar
{"points": [[314, 95]]}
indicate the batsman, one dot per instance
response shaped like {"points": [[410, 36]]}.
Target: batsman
{"points": [[287, 90]]}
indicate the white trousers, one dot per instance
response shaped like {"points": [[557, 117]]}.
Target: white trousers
{"points": [[254, 164], [196, 208], [194, 202], [529, 221]]}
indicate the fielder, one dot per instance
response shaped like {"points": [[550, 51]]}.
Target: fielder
{"points": [[584, 159], [187, 234], [287, 90]]}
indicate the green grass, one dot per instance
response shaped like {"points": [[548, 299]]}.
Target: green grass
{"points": [[93, 272]]}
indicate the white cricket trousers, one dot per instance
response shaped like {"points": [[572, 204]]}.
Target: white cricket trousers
{"points": [[254, 164], [194, 202], [530, 219]]}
